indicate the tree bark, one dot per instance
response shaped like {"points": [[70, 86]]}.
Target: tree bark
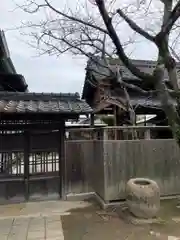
{"points": [[167, 102]]}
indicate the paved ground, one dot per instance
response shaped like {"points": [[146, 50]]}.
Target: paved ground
{"points": [[35, 221], [31, 228], [58, 220]]}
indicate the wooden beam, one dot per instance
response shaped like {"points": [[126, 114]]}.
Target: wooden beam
{"points": [[38, 116], [15, 127], [140, 127]]}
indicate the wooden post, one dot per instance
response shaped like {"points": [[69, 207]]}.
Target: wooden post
{"points": [[115, 115], [26, 162], [92, 133], [147, 134], [115, 122], [135, 132], [62, 162], [105, 134], [100, 134], [92, 120]]}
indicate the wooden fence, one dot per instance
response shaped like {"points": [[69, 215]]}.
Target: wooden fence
{"points": [[119, 133], [106, 166], [79, 160]]}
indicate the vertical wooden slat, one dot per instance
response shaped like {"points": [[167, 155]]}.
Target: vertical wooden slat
{"points": [[155, 159], [92, 120], [2, 161], [108, 165], [26, 162], [41, 164], [62, 163]]}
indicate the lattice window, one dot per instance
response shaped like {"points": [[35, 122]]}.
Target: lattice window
{"points": [[12, 163], [43, 162]]}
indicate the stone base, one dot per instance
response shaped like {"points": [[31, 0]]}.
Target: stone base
{"points": [[126, 215], [80, 196], [106, 205]]}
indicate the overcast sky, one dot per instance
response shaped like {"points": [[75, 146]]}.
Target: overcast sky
{"points": [[45, 74]]}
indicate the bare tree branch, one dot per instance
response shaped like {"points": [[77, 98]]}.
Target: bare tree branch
{"points": [[99, 38], [74, 18], [173, 16], [135, 27], [117, 43]]}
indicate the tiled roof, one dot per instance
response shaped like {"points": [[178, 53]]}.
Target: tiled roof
{"points": [[144, 65], [148, 102], [98, 69], [151, 100], [42, 103], [9, 79]]}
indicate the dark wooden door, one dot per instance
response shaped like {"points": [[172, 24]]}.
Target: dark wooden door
{"points": [[30, 166]]}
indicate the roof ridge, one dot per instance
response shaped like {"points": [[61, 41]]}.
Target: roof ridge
{"points": [[60, 94], [145, 61]]}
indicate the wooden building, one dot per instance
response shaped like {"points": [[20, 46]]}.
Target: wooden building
{"points": [[32, 156], [9, 79], [32, 136], [106, 96]]}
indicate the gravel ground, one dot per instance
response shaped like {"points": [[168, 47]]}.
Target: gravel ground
{"points": [[94, 223]]}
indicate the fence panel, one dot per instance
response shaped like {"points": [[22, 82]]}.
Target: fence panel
{"points": [[106, 166], [79, 156], [155, 159]]}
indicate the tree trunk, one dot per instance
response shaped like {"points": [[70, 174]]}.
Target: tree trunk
{"points": [[167, 103]]}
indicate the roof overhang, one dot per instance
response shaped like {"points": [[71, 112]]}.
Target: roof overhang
{"points": [[94, 68], [9, 79], [42, 103]]}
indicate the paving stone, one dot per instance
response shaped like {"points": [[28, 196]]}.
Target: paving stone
{"points": [[36, 229], [53, 218], [16, 237], [33, 222], [6, 222], [53, 226], [19, 229], [54, 234], [4, 231], [37, 220], [36, 226], [55, 238], [3, 237], [21, 221], [36, 235]]}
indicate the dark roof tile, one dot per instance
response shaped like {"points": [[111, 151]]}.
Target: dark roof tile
{"points": [[42, 102], [100, 71]]}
